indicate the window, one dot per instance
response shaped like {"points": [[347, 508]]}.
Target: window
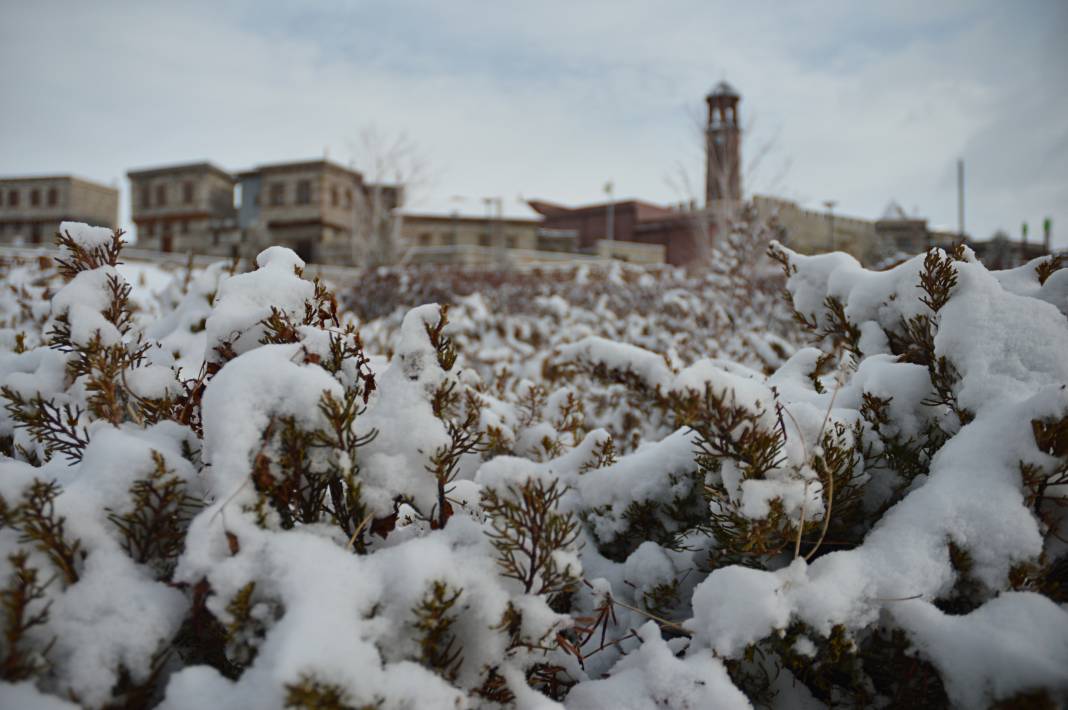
{"points": [[146, 196], [185, 226], [304, 192], [334, 196], [149, 229], [161, 195], [12, 198], [484, 239], [35, 197], [53, 197], [278, 194], [512, 241], [450, 240], [187, 192], [348, 198], [424, 239]]}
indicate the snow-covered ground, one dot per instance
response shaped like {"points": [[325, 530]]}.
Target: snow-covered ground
{"points": [[577, 487]]}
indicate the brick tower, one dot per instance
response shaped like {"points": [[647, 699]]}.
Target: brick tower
{"points": [[723, 179]]}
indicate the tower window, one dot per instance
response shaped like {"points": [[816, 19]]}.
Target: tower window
{"points": [[161, 195], [35, 197], [53, 197], [187, 192]]}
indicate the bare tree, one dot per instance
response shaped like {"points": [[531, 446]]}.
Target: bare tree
{"points": [[394, 171]]}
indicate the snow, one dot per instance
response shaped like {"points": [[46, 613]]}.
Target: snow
{"points": [[245, 395], [654, 677], [344, 613], [1031, 652], [592, 351], [737, 606], [246, 299], [86, 236], [83, 300]]}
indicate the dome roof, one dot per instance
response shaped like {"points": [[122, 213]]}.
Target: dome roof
{"points": [[724, 89], [894, 211]]}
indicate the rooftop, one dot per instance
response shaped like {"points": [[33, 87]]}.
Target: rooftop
{"points": [[299, 165], [202, 166], [52, 178]]}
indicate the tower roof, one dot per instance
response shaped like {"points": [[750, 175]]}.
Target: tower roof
{"points": [[894, 211], [724, 89]]}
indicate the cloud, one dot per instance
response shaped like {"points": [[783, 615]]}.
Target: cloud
{"points": [[552, 99]]}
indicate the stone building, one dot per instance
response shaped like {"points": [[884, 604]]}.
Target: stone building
{"points": [[315, 207], [438, 231], [479, 240], [813, 231], [897, 231], [32, 208], [877, 242], [185, 208]]}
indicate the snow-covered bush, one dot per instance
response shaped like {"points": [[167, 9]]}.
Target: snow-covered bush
{"points": [[642, 493]]}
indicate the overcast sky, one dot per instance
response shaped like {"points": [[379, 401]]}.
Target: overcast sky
{"points": [[857, 102]]}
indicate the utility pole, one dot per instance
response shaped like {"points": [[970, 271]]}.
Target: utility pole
{"points": [[456, 219], [610, 229], [829, 204], [960, 199], [494, 223], [1023, 243]]}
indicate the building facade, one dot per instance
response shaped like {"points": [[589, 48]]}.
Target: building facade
{"points": [[185, 208], [473, 241], [873, 242], [32, 208], [308, 206], [313, 207], [436, 231], [813, 232]]}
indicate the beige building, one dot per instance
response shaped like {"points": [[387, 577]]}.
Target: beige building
{"points": [[470, 241], [315, 208], [812, 232], [32, 208], [465, 239], [633, 252], [909, 235], [184, 208], [872, 242]]}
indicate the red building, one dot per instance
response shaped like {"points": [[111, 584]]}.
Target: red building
{"points": [[632, 221]]}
